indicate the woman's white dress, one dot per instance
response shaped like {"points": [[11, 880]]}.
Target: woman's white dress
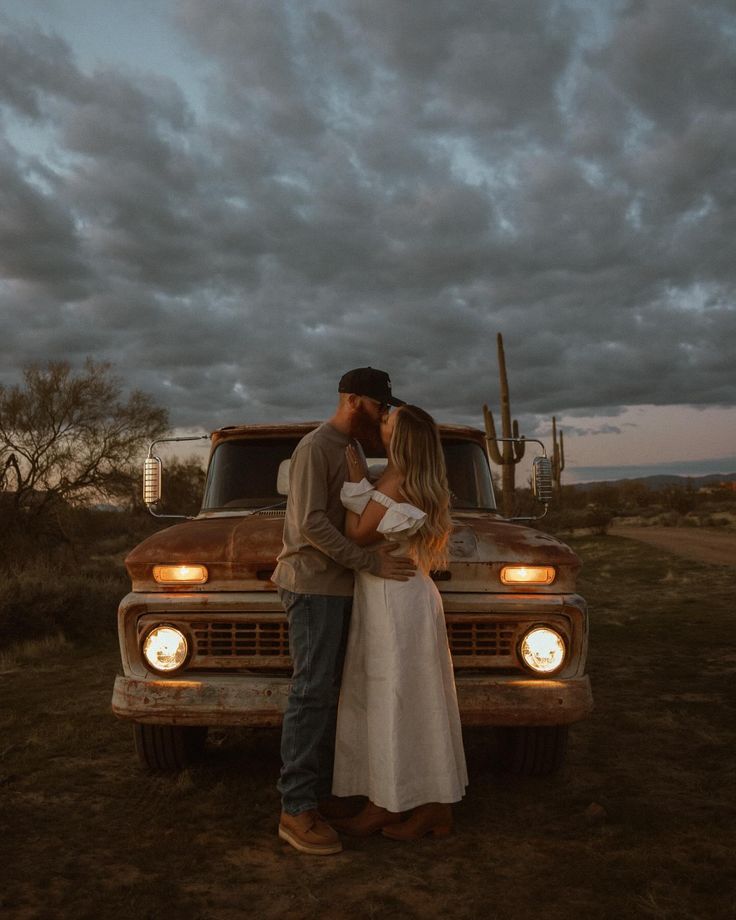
{"points": [[398, 739]]}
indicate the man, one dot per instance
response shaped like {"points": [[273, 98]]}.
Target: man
{"points": [[314, 576]]}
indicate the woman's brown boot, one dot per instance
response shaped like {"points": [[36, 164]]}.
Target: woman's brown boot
{"points": [[433, 818], [369, 821]]}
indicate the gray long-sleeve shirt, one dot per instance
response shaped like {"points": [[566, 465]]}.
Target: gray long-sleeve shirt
{"points": [[317, 558]]}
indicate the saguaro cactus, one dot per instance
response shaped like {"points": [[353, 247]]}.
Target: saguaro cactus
{"points": [[504, 453], [558, 457]]}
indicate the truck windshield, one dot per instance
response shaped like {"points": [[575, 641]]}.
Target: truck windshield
{"points": [[244, 474], [468, 476]]}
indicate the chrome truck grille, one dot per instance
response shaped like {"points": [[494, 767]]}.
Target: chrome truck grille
{"points": [[264, 643]]}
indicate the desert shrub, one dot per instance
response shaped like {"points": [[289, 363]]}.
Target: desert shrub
{"points": [[717, 520], [64, 573], [605, 495], [598, 519], [678, 499], [25, 538], [669, 519], [592, 519], [635, 495], [557, 521], [70, 539], [40, 600]]}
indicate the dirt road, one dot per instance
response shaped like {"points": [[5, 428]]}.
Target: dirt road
{"points": [[700, 543]]}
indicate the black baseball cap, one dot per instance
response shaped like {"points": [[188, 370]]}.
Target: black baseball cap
{"points": [[367, 381]]}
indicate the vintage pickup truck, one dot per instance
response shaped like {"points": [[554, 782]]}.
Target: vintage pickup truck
{"points": [[204, 641]]}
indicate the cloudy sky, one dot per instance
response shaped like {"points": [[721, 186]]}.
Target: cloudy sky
{"points": [[236, 200]]}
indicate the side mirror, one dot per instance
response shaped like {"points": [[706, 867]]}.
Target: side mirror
{"points": [[152, 470], [542, 479], [151, 481]]}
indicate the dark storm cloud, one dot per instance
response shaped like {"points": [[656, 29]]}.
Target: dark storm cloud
{"points": [[388, 184], [34, 67], [39, 243]]}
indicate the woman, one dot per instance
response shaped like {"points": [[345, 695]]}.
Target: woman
{"points": [[398, 730]]}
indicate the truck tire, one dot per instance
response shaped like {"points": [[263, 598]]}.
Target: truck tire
{"points": [[168, 747], [532, 750]]}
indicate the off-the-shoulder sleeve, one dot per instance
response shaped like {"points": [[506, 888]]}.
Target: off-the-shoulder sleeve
{"points": [[401, 518], [356, 495]]}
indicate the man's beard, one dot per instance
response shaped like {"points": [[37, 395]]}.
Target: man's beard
{"points": [[366, 429]]}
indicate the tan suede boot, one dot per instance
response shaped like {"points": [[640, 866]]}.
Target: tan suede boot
{"points": [[433, 818], [333, 808], [368, 821], [309, 833]]}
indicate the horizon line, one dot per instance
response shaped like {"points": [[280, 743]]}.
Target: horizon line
{"points": [[725, 466]]}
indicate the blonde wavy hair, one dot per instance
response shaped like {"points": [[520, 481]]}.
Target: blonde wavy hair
{"points": [[416, 451]]}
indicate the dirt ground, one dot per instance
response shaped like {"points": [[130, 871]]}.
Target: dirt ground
{"points": [[638, 824], [701, 543]]}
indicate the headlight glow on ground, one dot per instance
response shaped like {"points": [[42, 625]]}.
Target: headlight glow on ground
{"points": [[165, 648], [543, 650]]}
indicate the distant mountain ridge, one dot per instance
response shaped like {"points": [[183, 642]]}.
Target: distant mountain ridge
{"points": [[664, 481]]}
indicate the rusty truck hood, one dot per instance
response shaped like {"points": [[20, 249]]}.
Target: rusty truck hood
{"points": [[480, 537], [240, 553], [481, 544]]}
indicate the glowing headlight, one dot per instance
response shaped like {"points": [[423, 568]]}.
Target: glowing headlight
{"points": [[528, 574], [165, 648], [180, 574], [543, 650]]}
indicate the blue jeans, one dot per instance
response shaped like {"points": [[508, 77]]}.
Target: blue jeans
{"points": [[318, 632]]}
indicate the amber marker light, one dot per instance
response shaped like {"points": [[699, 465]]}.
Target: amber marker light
{"points": [[528, 574], [180, 574]]}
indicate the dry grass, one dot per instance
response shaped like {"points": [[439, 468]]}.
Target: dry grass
{"points": [[85, 833], [40, 601], [31, 651]]}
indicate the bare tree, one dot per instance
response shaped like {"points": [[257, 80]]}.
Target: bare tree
{"points": [[67, 435]]}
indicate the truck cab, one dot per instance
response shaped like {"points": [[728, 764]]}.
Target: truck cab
{"points": [[204, 640]]}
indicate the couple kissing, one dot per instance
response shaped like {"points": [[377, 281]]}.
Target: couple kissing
{"points": [[372, 709]]}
